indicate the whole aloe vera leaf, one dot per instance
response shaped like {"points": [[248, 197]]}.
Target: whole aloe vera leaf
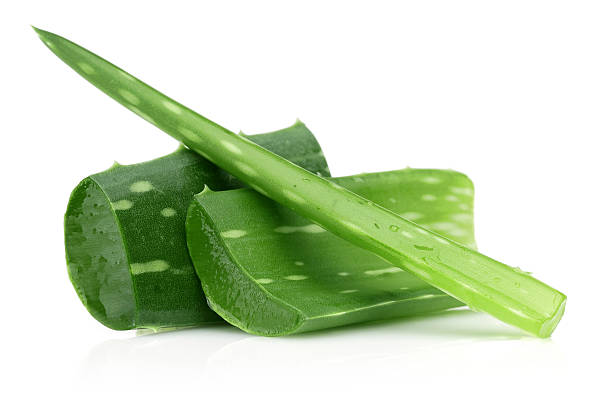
{"points": [[482, 283], [269, 271], [125, 234]]}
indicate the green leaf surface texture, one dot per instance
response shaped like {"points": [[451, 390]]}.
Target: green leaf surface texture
{"points": [[125, 234], [479, 281], [269, 271]]}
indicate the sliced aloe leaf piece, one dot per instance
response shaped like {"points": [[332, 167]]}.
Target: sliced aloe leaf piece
{"points": [[269, 271], [479, 281], [125, 234]]}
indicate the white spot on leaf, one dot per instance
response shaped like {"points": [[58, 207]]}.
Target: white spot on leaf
{"points": [[458, 232], [444, 226], [86, 68], [246, 169], [231, 147], [462, 217], [348, 291], [304, 229], [428, 197], [296, 277], [128, 96], [122, 205], [406, 234], [264, 281], [141, 186], [462, 190], [411, 216], [189, 135], [376, 272], [421, 231], [168, 212], [428, 296], [171, 106], [233, 234], [127, 76], [151, 266], [431, 180]]}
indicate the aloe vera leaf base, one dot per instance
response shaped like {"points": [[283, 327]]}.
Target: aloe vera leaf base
{"points": [[479, 281], [125, 234], [271, 272]]}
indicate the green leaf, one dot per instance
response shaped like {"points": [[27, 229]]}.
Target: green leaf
{"points": [[477, 280], [269, 271], [125, 234]]}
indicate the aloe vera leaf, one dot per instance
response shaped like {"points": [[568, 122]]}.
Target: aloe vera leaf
{"points": [[481, 282], [125, 234], [269, 271]]}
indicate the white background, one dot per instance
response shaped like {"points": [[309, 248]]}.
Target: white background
{"points": [[518, 95]]}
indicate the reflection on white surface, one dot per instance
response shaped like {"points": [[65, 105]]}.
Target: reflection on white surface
{"points": [[453, 343]]}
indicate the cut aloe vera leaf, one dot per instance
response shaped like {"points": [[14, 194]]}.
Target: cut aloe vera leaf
{"points": [[479, 281], [269, 271], [125, 234]]}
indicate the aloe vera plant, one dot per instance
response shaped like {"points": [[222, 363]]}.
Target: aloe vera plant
{"points": [[125, 234], [482, 283], [269, 271]]}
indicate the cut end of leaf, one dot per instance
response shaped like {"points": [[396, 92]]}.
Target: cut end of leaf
{"points": [[549, 326], [271, 318], [97, 263]]}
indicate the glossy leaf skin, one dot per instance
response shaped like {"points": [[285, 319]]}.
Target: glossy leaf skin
{"points": [[271, 272], [125, 234], [477, 280]]}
